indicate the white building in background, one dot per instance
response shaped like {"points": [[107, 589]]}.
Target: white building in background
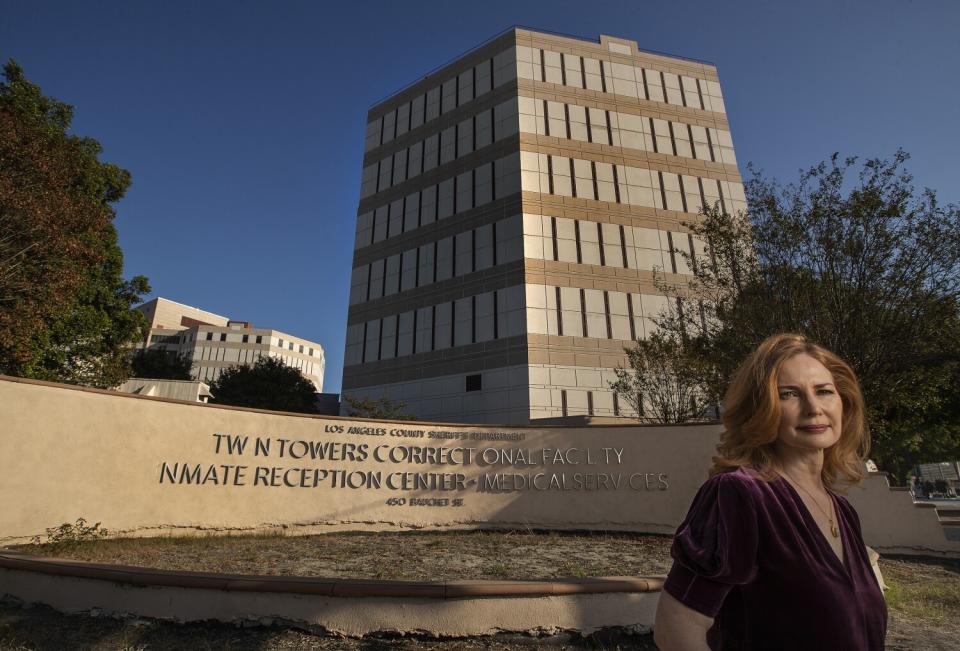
{"points": [[214, 342], [514, 206]]}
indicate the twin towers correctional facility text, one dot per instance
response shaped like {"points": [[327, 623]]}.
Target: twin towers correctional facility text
{"points": [[303, 463]]}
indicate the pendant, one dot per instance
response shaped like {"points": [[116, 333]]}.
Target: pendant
{"points": [[834, 530]]}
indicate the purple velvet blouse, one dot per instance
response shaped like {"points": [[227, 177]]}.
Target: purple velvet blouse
{"points": [[750, 555]]}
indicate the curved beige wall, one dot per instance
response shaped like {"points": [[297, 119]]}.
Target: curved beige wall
{"points": [[118, 459]]}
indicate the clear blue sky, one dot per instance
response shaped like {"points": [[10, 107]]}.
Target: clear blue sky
{"points": [[242, 122]]}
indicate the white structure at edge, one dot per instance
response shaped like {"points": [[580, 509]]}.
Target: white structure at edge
{"points": [[214, 343]]}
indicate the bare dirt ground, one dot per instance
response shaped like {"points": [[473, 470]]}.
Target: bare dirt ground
{"points": [[923, 600]]}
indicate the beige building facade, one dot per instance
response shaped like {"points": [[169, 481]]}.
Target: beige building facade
{"points": [[514, 208], [214, 343]]}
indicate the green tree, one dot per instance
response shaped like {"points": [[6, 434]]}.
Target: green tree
{"points": [[65, 310], [268, 384], [161, 364], [665, 381], [867, 266], [381, 408]]}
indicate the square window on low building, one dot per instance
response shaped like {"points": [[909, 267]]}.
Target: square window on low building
{"points": [[290, 346], [209, 336], [246, 339], [223, 336], [301, 349], [311, 352], [259, 339], [473, 382], [280, 343]]}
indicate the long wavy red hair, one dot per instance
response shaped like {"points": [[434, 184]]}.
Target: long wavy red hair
{"points": [[751, 413]]}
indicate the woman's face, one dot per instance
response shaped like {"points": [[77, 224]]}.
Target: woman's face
{"points": [[811, 410]]}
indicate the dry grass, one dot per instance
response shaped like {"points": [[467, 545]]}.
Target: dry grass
{"points": [[403, 556], [923, 600]]}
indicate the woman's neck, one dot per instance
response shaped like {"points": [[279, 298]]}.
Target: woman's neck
{"points": [[803, 467]]}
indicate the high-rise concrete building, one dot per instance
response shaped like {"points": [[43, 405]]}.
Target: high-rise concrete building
{"points": [[514, 206], [214, 343]]}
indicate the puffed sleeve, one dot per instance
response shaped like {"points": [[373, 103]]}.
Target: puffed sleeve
{"points": [[716, 546]]}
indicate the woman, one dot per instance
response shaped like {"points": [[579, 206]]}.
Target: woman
{"points": [[769, 557]]}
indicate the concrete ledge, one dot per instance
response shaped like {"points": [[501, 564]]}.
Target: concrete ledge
{"points": [[342, 606]]}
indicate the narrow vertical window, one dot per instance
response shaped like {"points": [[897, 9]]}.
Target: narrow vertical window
{"points": [[583, 312], [573, 177], [646, 89], [576, 235], [609, 129], [559, 314], [713, 158], [683, 194], [496, 316], [566, 120], [603, 77], [363, 348], [623, 247], [553, 229], [663, 191], [633, 327], [606, 313], [603, 258], [550, 173], [673, 259], [590, 403], [593, 177], [563, 70], [563, 401], [413, 349], [673, 140], [473, 319], [546, 118], [369, 273], [616, 184], [693, 255], [616, 405], [693, 145], [453, 323]]}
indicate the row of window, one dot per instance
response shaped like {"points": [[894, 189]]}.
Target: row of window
{"points": [[535, 309], [618, 78], [545, 117], [451, 196], [609, 245], [233, 356], [448, 257], [465, 137], [592, 313], [547, 174], [473, 319], [259, 339], [587, 124], [544, 238], [544, 65], [436, 101], [636, 186]]}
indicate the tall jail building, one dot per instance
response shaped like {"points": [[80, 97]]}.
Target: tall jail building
{"points": [[514, 205]]}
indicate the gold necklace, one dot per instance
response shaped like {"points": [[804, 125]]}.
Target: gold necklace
{"points": [[833, 527]]}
